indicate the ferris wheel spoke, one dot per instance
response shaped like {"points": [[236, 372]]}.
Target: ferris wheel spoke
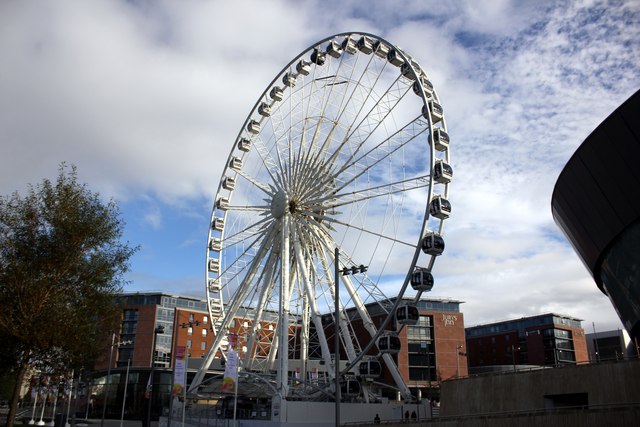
{"points": [[266, 189], [358, 196], [372, 330], [230, 314], [266, 289], [383, 150], [235, 268], [357, 85], [376, 155], [370, 123], [347, 335], [271, 167], [322, 141], [246, 208], [373, 233], [314, 309], [368, 89], [248, 232], [365, 284]]}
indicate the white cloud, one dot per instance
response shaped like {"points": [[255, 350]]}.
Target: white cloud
{"points": [[146, 98]]}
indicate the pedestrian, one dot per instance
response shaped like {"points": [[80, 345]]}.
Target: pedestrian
{"points": [[376, 419], [413, 415]]}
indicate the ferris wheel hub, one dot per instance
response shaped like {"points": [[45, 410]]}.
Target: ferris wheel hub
{"points": [[279, 204]]}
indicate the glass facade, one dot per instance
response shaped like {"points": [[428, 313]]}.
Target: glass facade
{"points": [[558, 346], [127, 335], [620, 277], [421, 350], [523, 324]]}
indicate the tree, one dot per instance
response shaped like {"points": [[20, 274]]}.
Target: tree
{"points": [[61, 266]]}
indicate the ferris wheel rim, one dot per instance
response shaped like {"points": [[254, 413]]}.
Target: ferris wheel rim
{"points": [[432, 157]]}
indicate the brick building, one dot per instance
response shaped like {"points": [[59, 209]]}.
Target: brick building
{"points": [[431, 350], [544, 340]]}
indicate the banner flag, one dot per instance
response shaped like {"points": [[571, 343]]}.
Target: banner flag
{"points": [[230, 372], [179, 371], [147, 391]]}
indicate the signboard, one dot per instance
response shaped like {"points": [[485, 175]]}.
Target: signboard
{"points": [[449, 319]]}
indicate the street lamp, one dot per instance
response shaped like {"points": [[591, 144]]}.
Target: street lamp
{"points": [[158, 330], [108, 387], [513, 356], [336, 339], [458, 354], [345, 272], [184, 325]]}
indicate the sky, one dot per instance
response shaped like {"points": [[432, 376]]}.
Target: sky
{"points": [[146, 98]]}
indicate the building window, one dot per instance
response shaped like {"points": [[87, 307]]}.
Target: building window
{"points": [[204, 332], [191, 317], [188, 343], [190, 331], [130, 315], [205, 319], [558, 346], [124, 355], [203, 345]]}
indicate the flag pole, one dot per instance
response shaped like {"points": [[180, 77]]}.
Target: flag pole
{"points": [[184, 389], [235, 398]]}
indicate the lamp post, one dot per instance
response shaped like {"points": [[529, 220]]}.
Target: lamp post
{"points": [[336, 339], [158, 330], [106, 392], [513, 356], [108, 385], [336, 321], [177, 324], [458, 354], [124, 398], [429, 391]]}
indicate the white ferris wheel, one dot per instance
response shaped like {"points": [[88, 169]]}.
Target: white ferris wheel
{"points": [[345, 153]]}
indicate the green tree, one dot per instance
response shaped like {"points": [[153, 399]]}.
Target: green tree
{"points": [[61, 265]]}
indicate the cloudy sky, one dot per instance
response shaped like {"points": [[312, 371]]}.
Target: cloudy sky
{"points": [[146, 98]]}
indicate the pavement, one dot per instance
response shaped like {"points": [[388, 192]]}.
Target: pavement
{"points": [[96, 422], [112, 423]]}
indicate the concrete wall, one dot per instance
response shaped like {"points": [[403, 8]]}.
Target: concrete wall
{"points": [[605, 384], [619, 417]]}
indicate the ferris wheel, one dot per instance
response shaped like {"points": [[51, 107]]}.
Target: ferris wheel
{"points": [[344, 157]]}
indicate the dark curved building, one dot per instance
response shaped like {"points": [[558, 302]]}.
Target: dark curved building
{"points": [[596, 203]]}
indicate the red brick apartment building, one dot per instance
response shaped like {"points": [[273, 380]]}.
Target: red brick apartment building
{"points": [[432, 350], [543, 340]]}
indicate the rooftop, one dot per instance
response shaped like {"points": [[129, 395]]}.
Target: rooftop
{"points": [[523, 323]]}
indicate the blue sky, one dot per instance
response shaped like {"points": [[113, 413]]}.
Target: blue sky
{"points": [[146, 97]]}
